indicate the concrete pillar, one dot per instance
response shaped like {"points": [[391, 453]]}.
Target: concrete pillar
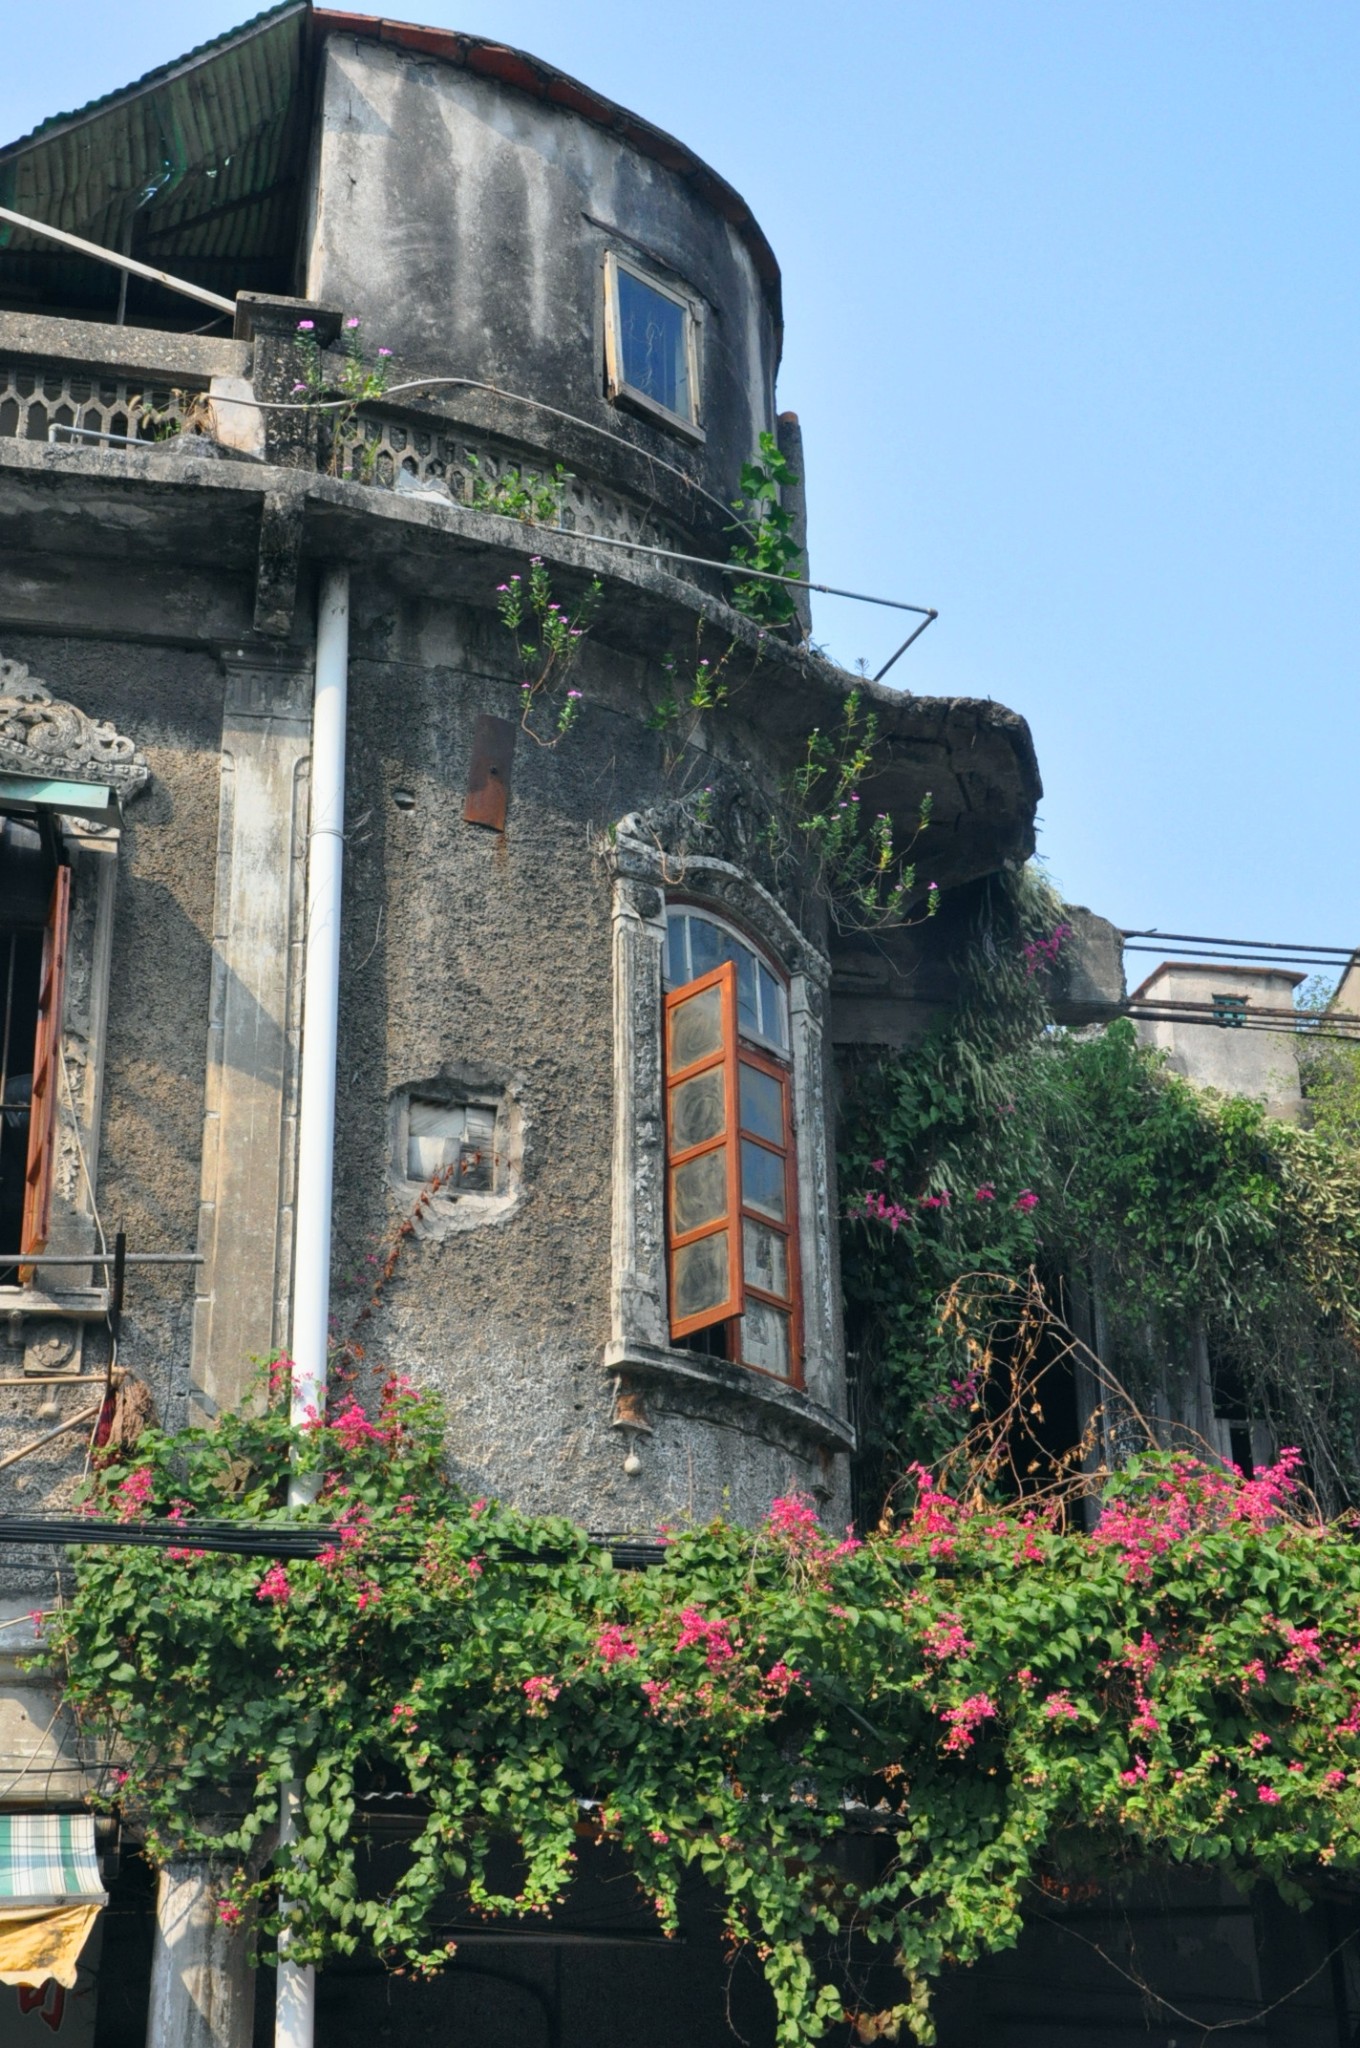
{"points": [[202, 1986], [245, 1215]]}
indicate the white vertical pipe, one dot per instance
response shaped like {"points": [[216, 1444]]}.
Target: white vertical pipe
{"points": [[320, 1010], [295, 2015]]}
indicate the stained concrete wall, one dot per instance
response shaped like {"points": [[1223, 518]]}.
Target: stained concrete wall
{"points": [[466, 226], [488, 959]]}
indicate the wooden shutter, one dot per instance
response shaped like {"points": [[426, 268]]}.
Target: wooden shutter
{"points": [[42, 1123], [703, 1184]]}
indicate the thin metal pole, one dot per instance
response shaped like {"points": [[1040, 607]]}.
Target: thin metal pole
{"points": [[124, 263]]}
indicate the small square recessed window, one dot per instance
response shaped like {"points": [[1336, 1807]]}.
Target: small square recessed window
{"points": [[1230, 1012], [460, 1136], [651, 345]]}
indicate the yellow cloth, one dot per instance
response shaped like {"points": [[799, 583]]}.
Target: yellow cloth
{"points": [[38, 1942]]}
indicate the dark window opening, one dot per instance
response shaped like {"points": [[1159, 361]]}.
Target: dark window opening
{"points": [[1230, 1012], [34, 911]]}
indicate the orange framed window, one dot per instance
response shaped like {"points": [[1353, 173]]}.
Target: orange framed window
{"points": [[731, 1171]]}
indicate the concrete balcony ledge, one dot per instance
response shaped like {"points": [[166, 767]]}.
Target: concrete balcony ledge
{"points": [[714, 1379]]}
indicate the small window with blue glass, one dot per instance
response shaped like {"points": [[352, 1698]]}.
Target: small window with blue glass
{"points": [[651, 346]]}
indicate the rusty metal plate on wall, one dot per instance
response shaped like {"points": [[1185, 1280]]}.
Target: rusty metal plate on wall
{"points": [[488, 790]]}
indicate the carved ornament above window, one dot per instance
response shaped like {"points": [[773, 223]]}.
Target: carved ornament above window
{"points": [[42, 736]]}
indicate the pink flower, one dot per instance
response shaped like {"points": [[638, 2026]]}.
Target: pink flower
{"points": [[132, 1497], [230, 1915], [1255, 1672], [274, 1585], [964, 1721], [1137, 1774], [1259, 1741], [945, 1638], [1305, 1648], [793, 1517], [713, 1636], [1267, 1795], [877, 1165], [1026, 1200], [986, 1193], [539, 1690], [384, 351], [1058, 1707], [612, 1645], [659, 1836], [1334, 1778], [404, 1717], [306, 326], [780, 1677]]}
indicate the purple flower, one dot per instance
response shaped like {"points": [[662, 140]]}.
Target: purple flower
{"points": [[353, 320], [306, 326], [384, 351], [573, 693]]}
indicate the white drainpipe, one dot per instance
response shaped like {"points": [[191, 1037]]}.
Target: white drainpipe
{"points": [[295, 2020]]}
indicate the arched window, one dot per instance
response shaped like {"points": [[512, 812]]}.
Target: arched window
{"points": [[732, 1173]]}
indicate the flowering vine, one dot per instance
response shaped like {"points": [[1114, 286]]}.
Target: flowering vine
{"points": [[982, 1683]]}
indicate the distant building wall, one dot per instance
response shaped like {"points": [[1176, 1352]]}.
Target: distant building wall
{"points": [[1234, 1055]]}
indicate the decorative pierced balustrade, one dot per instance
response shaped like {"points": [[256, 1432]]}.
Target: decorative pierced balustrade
{"points": [[35, 398]]}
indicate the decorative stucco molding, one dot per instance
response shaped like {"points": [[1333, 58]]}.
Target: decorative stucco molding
{"points": [[42, 736], [642, 870]]}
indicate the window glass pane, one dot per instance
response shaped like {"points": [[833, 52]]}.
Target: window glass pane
{"points": [[699, 1191], [762, 1104], [748, 995], [653, 342], [696, 1028], [677, 965], [698, 1110], [762, 1179], [433, 1134], [765, 1338], [772, 1022], [699, 1276], [765, 1257], [707, 946]]}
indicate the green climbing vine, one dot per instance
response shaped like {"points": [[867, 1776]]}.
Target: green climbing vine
{"points": [[1003, 1144], [990, 1695]]}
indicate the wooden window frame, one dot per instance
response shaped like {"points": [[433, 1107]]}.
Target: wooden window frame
{"points": [[792, 1305], [723, 978], [42, 1117], [617, 386], [734, 1052]]}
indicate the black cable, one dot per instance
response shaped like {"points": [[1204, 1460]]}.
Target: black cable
{"points": [[281, 1540]]}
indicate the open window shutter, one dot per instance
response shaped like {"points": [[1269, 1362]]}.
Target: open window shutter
{"points": [[703, 1190], [42, 1124]]}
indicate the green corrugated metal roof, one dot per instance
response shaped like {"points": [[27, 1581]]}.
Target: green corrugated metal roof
{"points": [[197, 164]]}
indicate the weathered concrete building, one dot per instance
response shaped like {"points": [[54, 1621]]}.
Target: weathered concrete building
{"points": [[589, 998], [623, 1278]]}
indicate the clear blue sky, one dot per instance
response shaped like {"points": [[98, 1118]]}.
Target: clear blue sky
{"points": [[1073, 310]]}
